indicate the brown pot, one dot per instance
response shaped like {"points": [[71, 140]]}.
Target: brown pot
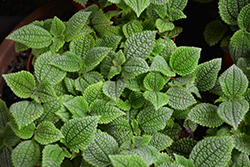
{"points": [[7, 47]]}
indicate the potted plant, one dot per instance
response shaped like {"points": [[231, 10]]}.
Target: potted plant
{"points": [[117, 91]]}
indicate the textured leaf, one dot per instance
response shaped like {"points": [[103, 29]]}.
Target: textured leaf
{"points": [[87, 79], [138, 6], [50, 108], [110, 41], [114, 89], [241, 142], [78, 106], [183, 147], [21, 83], [79, 133], [45, 71], [57, 27], [159, 64], [4, 114], [95, 56], [25, 132], [57, 44], [140, 141], [8, 137], [139, 45], [107, 112], [160, 141], [178, 4], [214, 32], [93, 92], [185, 60], [99, 150], [163, 25], [148, 153], [131, 28], [158, 99], [233, 81], [212, 151], [163, 159], [206, 115], [26, 154], [233, 112], [47, 133], [120, 129], [206, 74], [176, 14], [135, 67], [180, 98], [32, 36], [168, 50], [5, 157], [193, 89], [183, 161], [136, 99], [127, 160], [240, 160], [53, 156], [154, 81], [244, 18], [68, 62], [229, 10], [25, 112], [75, 24], [82, 44], [151, 120], [239, 45]]}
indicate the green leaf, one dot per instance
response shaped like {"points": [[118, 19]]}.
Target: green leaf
{"points": [[78, 106], [238, 45], [9, 138], [214, 32], [99, 150], [75, 24], [119, 58], [243, 18], [95, 56], [50, 108], [178, 4], [93, 92], [4, 114], [107, 112], [163, 159], [140, 141], [241, 142], [152, 120], [135, 67], [206, 74], [32, 36], [148, 153], [233, 112], [120, 129], [57, 27], [168, 50], [87, 79], [82, 2], [45, 71], [233, 81], [57, 44], [25, 132], [110, 41], [127, 160], [114, 89], [160, 141], [212, 151], [183, 161], [82, 44], [180, 98], [175, 14], [140, 45], [154, 81], [26, 154], [53, 156], [159, 64], [68, 62], [136, 99], [163, 25], [138, 6], [205, 114], [79, 133], [5, 157], [158, 99], [21, 83], [131, 28], [229, 10], [47, 133], [25, 112], [240, 160], [183, 147], [185, 60], [193, 89]]}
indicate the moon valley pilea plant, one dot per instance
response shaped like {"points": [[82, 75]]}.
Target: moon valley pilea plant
{"points": [[119, 97]]}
